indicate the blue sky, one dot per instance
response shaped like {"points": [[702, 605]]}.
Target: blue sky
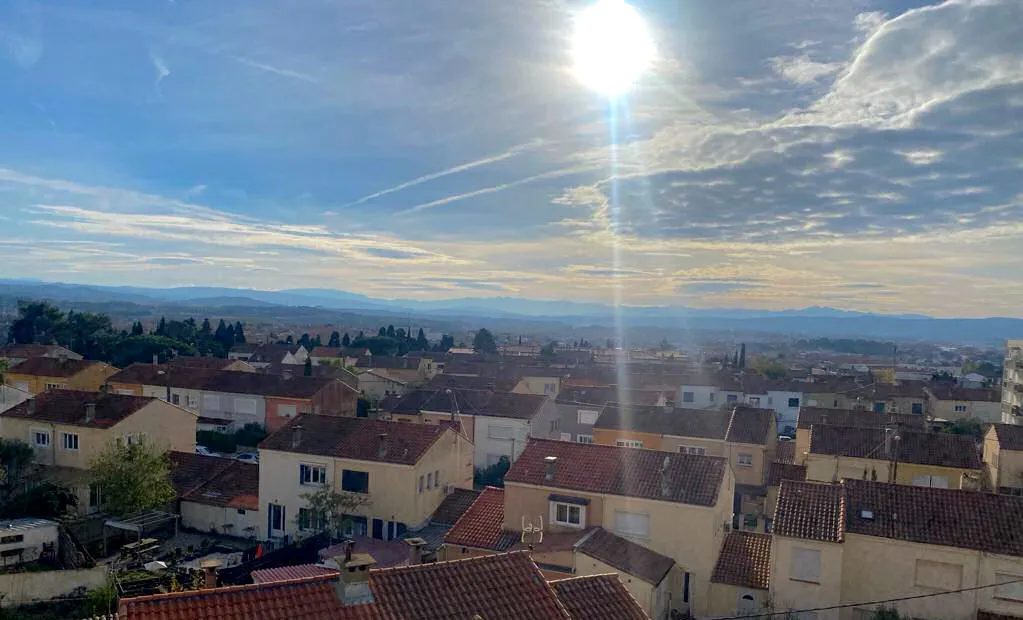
{"points": [[860, 154]]}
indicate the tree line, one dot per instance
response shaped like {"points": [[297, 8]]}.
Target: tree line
{"points": [[388, 340], [93, 336]]}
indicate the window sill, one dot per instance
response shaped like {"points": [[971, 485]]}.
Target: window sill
{"points": [[575, 526], [813, 583]]}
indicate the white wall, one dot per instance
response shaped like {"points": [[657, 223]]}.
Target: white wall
{"points": [[779, 402], [22, 588], [487, 446], [704, 397], [202, 517]]}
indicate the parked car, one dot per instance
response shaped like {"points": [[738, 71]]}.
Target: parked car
{"points": [[247, 457], [203, 450]]}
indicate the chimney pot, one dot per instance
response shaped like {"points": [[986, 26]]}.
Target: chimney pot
{"points": [[382, 444], [549, 463], [209, 572], [348, 544], [90, 412], [415, 550], [296, 435]]}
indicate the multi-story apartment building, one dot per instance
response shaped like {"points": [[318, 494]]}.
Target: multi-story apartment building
{"points": [[1012, 383]]}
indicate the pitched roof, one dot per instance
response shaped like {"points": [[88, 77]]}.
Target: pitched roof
{"points": [[944, 391], [215, 481], [471, 402], [288, 573], [356, 438], [938, 449], [706, 423], [209, 363], [630, 472], [745, 560], [229, 381], [313, 598], [322, 351], [784, 471], [598, 596], [462, 382], [505, 585], [626, 556], [53, 367], [482, 525], [859, 418], [453, 506], [1010, 436], [785, 452], [609, 394], [750, 425], [69, 407], [387, 362], [810, 510], [26, 351]]}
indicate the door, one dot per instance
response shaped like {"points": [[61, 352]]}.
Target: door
{"points": [[275, 520], [390, 531], [378, 529]]}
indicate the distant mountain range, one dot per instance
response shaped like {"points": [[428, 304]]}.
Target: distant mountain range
{"points": [[811, 321]]}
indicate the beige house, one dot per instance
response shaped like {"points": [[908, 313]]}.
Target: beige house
{"points": [[17, 353], [67, 429], [945, 402], [841, 544], [742, 576], [1003, 457], [859, 418], [542, 384], [940, 460], [218, 495], [377, 385], [39, 374], [641, 495], [401, 470]]}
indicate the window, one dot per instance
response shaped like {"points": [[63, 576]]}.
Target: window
{"points": [[770, 400], [40, 439], [312, 474], [628, 443], [287, 411], [697, 450], [95, 496], [70, 441], [241, 511], [429, 481], [960, 408], [245, 405], [744, 460], [566, 436], [421, 479], [632, 524], [732, 398], [56, 386], [555, 424], [712, 396], [210, 401], [917, 408], [835, 403], [355, 481], [938, 575], [192, 402], [500, 432], [584, 439], [436, 478], [754, 401], [793, 402], [806, 565], [175, 399], [936, 482], [879, 407], [549, 389], [568, 514], [310, 520], [10, 540], [1010, 591], [688, 397], [588, 416]]}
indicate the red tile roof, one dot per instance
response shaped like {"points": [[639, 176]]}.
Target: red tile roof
{"points": [[215, 481], [626, 556], [26, 351], [482, 525], [53, 367], [952, 392], [630, 472], [705, 423], [786, 452], [227, 381], [784, 471], [314, 598], [471, 402], [506, 585], [356, 438], [453, 506], [69, 407], [865, 418], [810, 510], [745, 560], [922, 448], [598, 596], [289, 573], [208, 363], [750, 425], [1010, 436]]}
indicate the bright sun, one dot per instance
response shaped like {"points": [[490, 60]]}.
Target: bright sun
{"points": [[610, 47]]}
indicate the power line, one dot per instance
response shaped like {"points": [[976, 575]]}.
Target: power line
{"points": [[866, 603]]}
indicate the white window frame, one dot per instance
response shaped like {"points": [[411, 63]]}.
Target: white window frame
{"points": [[210, 401], [960, 408], [583, 415], [568, 515], [55, 386], [566, 436], [69, 438], [624, 527], [744, 459], [36, 433], [628, 443], [581, 438], [312, 474], [696, 450]]}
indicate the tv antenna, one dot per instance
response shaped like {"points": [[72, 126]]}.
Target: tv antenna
{"points": [[529, 530]]}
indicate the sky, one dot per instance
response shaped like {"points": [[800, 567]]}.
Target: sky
{"points": [[858, 154]]}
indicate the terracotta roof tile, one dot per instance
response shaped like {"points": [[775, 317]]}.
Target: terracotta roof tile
{"points": [[942, 391], [786, 452], [705, 423], [453, 506], [810, 510], [859, 418], [209, 363], [939, 449], [289, 573], [751, 425], [601, 395], [1010, 436], [745, 560], [626, 556], [482, 525], [784, 471], [26, 351], [598, 596], [629, 472], [215, 481], [306, 599], [69, 407], [506, 585], [470, 402], [54, 367], [356, 438], [227, 381]]}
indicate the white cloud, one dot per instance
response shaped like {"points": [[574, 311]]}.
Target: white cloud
{"points": [[801, 69]]}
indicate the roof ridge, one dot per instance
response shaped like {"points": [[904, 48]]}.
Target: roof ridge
{"points": [[230, 589]]}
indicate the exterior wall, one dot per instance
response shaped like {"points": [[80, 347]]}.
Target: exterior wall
{"points": [[278, 410], [786, 415], [90, 379], [188, 399], [908, 404], [993, 568], [802, 445], [714, 447], [526, 502], [724, 600], [23, 588], [468, 422], [610, 437], [568, 416], [754, 474], [542, 386], [227, 407], [656, 600], [789, 593], [704, 397], [488, 448], [11, 397], [545, 422], [1012, 382], [335, 398], [827, 400], [225, 520], [825, 468], [981, 410], [376, 387], [1005, 467]]}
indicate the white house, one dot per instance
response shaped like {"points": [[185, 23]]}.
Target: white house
{"points": [[24, 540]]}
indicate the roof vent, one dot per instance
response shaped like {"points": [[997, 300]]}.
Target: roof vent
{"points": [[549, 463], [296, 435], [867, 515], [90, 413]]}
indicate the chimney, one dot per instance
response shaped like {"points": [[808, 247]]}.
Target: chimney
{"points": [[548, 467], [824, 419], [209, 573], [32, 406], [348, 545], [90, 413], [891, 436], [296, 435], [156, 359], [382, 443], [415, 550], [665, 483]]}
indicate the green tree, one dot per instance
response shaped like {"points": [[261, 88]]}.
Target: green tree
{"points": [[346, 341], [207, 330], [161, 327], [328, 510], [422, 344], [22, 493], [16, 460], [390, 331], [447, 341], [484, 342], [492, 476], [133, 477], [335, 339], [382, 332], [3, 370], [239, 332], [38, 321], [968, 426], [308, 370], [137, 329], [548, 349], [141, 349]]}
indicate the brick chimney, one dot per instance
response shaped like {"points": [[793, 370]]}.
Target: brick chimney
{"points": [[548, 467], [296, 435], [209, 573], [415, 550], [90, 413]]}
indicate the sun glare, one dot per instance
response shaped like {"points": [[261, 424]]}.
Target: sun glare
{"points": [[611, 47]]}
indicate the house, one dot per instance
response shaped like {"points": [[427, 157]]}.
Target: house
{"points": [[27, 540], [949, 402], [1012, 382], [11, 396], [540, 381], [859, 418], [1003, 457], [641, 495], [263, 355], [402, 470], [577, 408], [741, 580], [377, 385], [776, 473], [67, 429], [210, 363], [406, 369], [937, 553], [919, 458], [17, 353], [217, 495], [499, 423], [39, 374]]}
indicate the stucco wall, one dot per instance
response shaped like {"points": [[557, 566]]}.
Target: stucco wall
{"points": [[724, 599], [788, 593], [202, 517], [486, 446], [610, 437], [824, 468], [21, 588], [642, 591]]}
